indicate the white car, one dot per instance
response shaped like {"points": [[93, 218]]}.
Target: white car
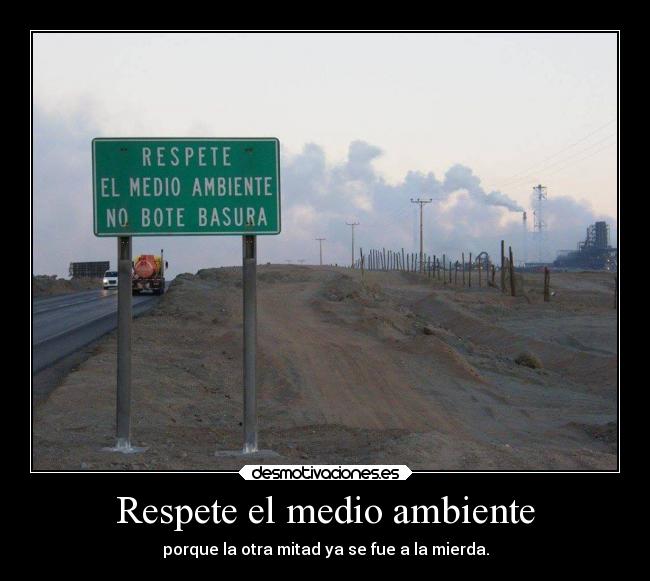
{"points": [[110, 279]]}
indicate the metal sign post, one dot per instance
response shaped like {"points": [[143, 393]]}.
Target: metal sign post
{"points": [[249, 279], [124, 320], [250, 342]]}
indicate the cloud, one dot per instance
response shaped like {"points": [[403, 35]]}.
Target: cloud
{"points": [[460, 177], [62, 191], [318, 197], [359, 162]]}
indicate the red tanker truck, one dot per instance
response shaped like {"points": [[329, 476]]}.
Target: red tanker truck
{"points": [[149, 274]]}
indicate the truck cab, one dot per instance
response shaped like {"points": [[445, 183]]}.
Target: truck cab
{"points": [[149, 274]]}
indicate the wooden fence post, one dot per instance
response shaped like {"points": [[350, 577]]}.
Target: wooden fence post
{"points": [[463, 267], [503, 266], [547, 285], [469, 274], [512, 272]]}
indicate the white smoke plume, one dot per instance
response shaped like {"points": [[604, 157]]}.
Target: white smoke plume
{"points": [[318, 197]]}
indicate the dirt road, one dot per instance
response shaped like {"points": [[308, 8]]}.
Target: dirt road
{"points": [[392, 369]]}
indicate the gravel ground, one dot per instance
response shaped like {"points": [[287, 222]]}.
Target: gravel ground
{"points": [[392, 369]]}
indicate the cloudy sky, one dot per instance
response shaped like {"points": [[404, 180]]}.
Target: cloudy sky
{"points": [[365, 123]]}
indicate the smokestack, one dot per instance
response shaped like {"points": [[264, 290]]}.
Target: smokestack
{"points": [[524, 245]]}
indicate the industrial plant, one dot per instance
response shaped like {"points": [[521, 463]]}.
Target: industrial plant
{"points": [[594, 252]]}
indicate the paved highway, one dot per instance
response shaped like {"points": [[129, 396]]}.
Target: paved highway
{"points": [[62, 324]]}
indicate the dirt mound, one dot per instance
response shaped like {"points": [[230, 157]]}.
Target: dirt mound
{"points": [[200, 296], [44, 285], [594, 371], [223, 275], [412, 277], [572, 291], [344, 287], [278, 274]]}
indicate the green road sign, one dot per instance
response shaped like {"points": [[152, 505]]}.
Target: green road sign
{"points": [[186, 186]]}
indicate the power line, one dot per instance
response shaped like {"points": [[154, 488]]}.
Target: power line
{"points": [[573, 163], [541, 162], [544, 169]]}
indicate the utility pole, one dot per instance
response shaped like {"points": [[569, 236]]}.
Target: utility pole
{"points": [[421, 202], [539, 224], [353, 224], [320, 244]]}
